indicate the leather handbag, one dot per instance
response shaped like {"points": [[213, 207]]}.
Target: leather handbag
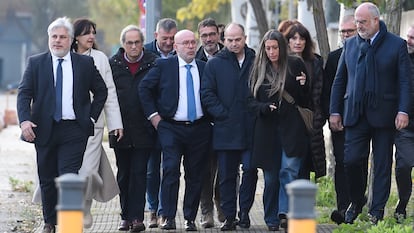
{"points": [[305, 113]]}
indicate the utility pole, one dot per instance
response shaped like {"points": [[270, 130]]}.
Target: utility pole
{"points": [[152, 15]]}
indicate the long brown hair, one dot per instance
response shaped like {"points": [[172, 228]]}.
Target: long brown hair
{"points": [[262, 67]]}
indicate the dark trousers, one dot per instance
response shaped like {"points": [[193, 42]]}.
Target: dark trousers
{"points": [[211, 186], [132, 181], [341, 184], [404, 143], [193, 142], [228, 168], [271, 195], [63, 154], [153, 180], [357, 147]]}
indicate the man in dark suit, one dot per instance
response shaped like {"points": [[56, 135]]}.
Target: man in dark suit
{"points": [[370, 98], [347, 29], [55, 110], [404, 144], [209, 38], [162, 46], [171, 101]]}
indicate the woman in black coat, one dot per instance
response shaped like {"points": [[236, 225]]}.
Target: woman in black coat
{"points": [[280, 136], [300, 43]]}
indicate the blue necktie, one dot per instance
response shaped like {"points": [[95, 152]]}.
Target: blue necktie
{"points": [[58, 90], [191, 105]]}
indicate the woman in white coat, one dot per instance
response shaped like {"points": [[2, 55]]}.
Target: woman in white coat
{"points": [[101, 182]]}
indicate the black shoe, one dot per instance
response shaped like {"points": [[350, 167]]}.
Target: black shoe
{"points": [[228, 225], [190, 225], [124, 225], [168, 224], [49, 228], [283, 221], [273, 228], [338, 216], [137, 226], [400, 217], [352, 213], [373, 219], [244, 221]]}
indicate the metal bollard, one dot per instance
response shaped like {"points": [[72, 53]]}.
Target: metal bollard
{"points": [[70, 203], [301, 216]]}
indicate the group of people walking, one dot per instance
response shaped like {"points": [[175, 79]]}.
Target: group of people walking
{"points": [[218, 110]]}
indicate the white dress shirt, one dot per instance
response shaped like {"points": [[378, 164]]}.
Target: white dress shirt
{"points": [[67, 85], [181, 114]]}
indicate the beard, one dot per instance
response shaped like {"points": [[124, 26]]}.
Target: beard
{"points": [[59, 52]]}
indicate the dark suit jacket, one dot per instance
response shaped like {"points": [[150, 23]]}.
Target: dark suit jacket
{"points": [[393, 75], [328, 78], [159, 90], [36, 97]]}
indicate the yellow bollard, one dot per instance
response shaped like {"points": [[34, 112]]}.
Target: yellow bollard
{"points": [[70, 221], [70, 203], [301, 216]]}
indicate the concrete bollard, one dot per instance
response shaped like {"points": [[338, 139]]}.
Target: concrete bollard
{"points": [[70, 203], [301, 216]]}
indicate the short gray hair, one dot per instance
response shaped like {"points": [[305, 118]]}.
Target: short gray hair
{"points": [[167, 24], [128, 28], [61, 22]]}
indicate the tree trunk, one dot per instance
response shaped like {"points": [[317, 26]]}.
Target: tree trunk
{"points": [[320, 26], [260, 16], [393, 16]]}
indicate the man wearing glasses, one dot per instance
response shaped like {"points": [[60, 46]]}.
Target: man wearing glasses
{"points": [[170, 95], [209, 36], [129, 66], [347, 29]]}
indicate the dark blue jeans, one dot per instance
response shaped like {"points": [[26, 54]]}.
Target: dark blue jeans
{"points": [[271, 196]]}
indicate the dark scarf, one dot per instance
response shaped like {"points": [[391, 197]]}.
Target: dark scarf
{"points": [[366, 84]]}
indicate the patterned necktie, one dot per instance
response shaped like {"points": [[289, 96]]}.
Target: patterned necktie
{"points": [[58, 90], [191, 106]]}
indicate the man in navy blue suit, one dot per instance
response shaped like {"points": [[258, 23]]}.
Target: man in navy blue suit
{"points": [[170, 98], [371, 99], [55, 110]]}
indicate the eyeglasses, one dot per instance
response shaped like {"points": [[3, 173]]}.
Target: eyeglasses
{"points": [[205, 35], [347, 31], [187, 43], [131, 43]]}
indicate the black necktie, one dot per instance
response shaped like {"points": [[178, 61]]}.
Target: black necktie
{"points": [[58, 90], [369, 41]]}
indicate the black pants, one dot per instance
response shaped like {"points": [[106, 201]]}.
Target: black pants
{"points": [[404, 142], [62, 154]]}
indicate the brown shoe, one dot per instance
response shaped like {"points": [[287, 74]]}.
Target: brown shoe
{"points": [[137, 226], [124, 225], [49, 228], [153, 222]]}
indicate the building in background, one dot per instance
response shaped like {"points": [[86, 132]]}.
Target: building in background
{"points": [[15, 43]]}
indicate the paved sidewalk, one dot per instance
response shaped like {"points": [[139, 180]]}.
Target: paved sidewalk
{"points": [[106, 215], [18, 160]]}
